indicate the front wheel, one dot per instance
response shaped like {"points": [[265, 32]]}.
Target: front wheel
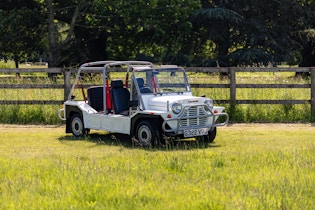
{"points": [[206, 139], [77, 126], [147, 134]]}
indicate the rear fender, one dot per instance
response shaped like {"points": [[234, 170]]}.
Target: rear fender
{"points": [[71, 110]]}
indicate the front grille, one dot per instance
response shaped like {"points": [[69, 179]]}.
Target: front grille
{"points": [[195, 114]]}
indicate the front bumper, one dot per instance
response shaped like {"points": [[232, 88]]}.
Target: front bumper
{"points": [[180, 128]]}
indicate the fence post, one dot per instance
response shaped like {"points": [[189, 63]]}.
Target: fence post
{"points": [[312, 71], [232, 88], [67, 83]]}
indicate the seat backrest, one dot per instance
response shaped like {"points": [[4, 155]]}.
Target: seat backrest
{"points": [[120, 96], [140, 82], [142, 87], [95, 97]]}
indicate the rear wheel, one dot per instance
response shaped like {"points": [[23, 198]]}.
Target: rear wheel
{"points": [[147, 134], [77, 126]]}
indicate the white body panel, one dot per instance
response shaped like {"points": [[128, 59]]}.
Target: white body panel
{"points": [[98, 121]]}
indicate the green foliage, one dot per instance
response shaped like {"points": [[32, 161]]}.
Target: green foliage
{"points": [[157, 30], [209, 16], [191, 33], [255, 31], [21, 30], [249, 167]]}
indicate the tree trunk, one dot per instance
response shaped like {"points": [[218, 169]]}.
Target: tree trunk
{"points": [[52, 53], [16, 62], [52, 57], [53, 45]]}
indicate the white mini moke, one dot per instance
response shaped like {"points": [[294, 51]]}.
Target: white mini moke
{"points": [[149, 104]]}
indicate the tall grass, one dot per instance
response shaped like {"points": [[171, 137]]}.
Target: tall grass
{"points": [[265, 112], [29, 114], [249, 167], [46, 114], [6, 64]]}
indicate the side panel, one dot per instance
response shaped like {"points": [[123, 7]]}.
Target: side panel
{"points": [[115, 123], [93, 121], [111, 123]]}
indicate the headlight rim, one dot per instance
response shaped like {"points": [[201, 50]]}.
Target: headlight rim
{"points": [[209, 103], [175, 107]]}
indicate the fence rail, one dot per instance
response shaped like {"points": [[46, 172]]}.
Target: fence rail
{"points": [[233, 86]]}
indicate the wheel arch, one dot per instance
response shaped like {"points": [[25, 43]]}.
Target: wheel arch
{"points": [[70, 111], [157, 119]]}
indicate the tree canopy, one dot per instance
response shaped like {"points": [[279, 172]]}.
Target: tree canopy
{"points": [[184, 32], [20, 30]]}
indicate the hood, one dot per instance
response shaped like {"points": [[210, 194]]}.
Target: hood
{"points": [[160, 102]]}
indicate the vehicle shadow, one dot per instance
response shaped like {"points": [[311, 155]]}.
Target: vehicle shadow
{"points": [[122, 140]]}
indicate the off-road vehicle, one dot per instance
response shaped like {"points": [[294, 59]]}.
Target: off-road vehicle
{"points": [[149, 103]]}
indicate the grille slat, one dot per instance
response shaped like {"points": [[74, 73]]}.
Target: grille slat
{"points": [[191, 112]]}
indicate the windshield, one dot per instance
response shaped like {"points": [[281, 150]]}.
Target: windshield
{"points": [[162, 80]]}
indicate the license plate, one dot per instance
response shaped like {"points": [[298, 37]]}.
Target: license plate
{"points": [[195, 132]]}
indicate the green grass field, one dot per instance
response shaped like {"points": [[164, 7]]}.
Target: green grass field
{"points": [[250, 166]]}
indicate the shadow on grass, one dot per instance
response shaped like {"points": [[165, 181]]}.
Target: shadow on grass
{"points": [[122, 140]]}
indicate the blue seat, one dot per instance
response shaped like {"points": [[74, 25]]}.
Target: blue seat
{"points": [[142, 87], [120, 97], [95, 97]]}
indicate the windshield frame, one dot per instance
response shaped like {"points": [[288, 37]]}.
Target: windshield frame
{"points": [[163, 80]]}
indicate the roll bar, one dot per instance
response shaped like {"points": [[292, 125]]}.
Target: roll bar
{"points": [[118, 63], [104, 65]]}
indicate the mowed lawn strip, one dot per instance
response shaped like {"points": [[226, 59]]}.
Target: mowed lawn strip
{"points": [[250, 166]]}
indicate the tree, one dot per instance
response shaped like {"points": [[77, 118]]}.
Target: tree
{"points": [[122, 29], [306, 37], [252, 32], [307, 40], [216, 24], [20, 30], [268, 31], [185, 32], [54, 45], [145, 28]]}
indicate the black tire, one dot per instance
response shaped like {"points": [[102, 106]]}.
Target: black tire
{"points": [[77, 126], [211, 135], [207, 138], [147, 134]]}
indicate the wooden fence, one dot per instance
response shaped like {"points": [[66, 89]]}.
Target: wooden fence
{"points": [[233, 86]]}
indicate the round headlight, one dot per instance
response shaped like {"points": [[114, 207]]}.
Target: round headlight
{"points": [[209, 103], [176, 107]]}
